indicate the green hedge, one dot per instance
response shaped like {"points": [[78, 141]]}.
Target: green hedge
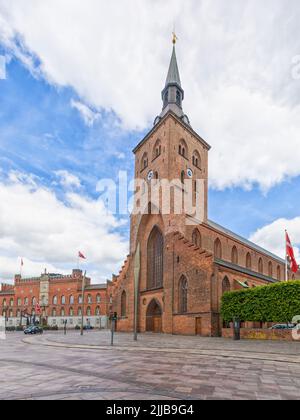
{"points": [[279, 302]]}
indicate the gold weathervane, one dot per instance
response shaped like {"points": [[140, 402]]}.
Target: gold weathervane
{"points": [[175, 38]]}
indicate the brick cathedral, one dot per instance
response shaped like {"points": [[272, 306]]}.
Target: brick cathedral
{"points": [[185, 265]]}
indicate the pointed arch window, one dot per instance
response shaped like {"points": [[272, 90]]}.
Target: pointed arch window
{"points": [[196, 238], [270, 269], [225, 285], [278, 273], [249, 261], [178, 98], [183, 149], [145, 161], [183, 295], [124, 304], [196, 159], [157, 149], [260, 266], [234, 256], [218, 249], [155, 259]]}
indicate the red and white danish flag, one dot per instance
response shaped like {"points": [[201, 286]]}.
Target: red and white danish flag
{"points": [[38, 310], [290, 254], [80, 255]]}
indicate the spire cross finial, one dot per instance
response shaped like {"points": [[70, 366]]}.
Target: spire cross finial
{"points": [[175, 38]]}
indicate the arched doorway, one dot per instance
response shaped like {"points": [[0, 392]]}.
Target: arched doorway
{"points": [[154, 317]]}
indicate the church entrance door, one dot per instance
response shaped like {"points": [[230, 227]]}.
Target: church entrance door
{"points": [[154, 317]]}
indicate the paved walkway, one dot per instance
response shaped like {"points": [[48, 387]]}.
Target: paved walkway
{"points": [[157, 367]]}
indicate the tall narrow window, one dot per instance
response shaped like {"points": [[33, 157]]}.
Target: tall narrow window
{"points": [[196, 238], [249, 261], [183, 149], [145, 162], [155, 259], [278, 273], [218, 249], [157, 150], [270, 269], [124, 304], [183, 295], [225, 285], [234, 256], [178, 98], [196, 159], [260, 266]]}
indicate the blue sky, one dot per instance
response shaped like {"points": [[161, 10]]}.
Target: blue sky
{"points": [[71, 113]]}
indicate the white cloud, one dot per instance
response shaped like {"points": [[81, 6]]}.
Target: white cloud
{"points": [[272, 236], [47, 232], [88, 115], [235, 58], [67, 179]]}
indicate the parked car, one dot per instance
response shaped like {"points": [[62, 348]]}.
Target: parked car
{"points": [[283, 327], [33, 330]]}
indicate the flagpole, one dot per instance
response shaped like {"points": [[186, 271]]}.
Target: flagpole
{"points": [[82, 312], [286, 259]]}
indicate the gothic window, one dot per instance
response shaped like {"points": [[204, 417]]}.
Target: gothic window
{"points": [[98, 298], [183, 295], [26, 301], [234, 256], [63, 300], [71, 312], [34, 301], [79, 312], [248, 261], [225, 285], [157, 149], [71, 300], [166, 98], [89, 299], [54, 312], [145, 161], [4, 303], [183, 149], [19, 302], [196, 160], [218, 249], [11, 303], [88, 311], [196, 238], [62, 312], [123, 304], [97, 311], [260, 266], [270, 269], [155, 259], [54, 300], [278, 273], [80, 300], [178, 98]]}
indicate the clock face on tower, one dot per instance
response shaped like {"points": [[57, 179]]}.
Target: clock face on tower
{"points": [[190, 173], [150, 175]]}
